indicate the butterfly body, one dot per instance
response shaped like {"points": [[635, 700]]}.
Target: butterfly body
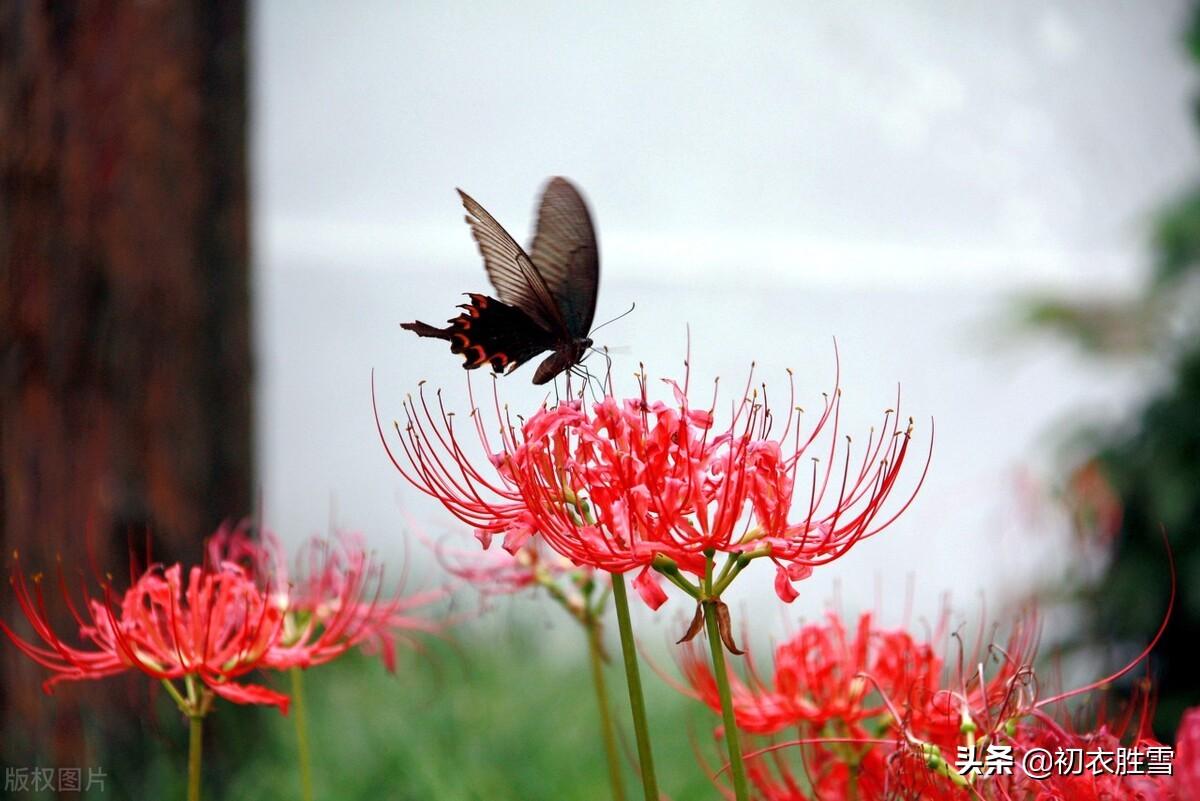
{"points": [[547, 298]]}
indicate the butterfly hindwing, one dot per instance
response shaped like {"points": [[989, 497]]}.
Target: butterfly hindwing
{"points": [[492, 332]]}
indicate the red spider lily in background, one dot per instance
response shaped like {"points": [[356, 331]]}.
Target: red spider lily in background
{"points": [[630, 485], [533, 565], [332, 602], [820, 678], [878, 714], [236, 613], [1187, 754], [498, 572], [215, 627]]}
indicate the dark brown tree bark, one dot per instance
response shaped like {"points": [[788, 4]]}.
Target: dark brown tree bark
{"points": [[124, 302]]}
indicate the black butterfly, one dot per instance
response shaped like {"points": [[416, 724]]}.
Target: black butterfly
{"points": [[547, 298]]}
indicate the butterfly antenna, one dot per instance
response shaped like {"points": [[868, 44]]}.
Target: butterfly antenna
{"points": [[628, 311]]}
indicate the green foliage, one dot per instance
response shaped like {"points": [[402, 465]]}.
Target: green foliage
{"points": [[1177, 239], [1155, 469], [1152, 461], [503, 718]]}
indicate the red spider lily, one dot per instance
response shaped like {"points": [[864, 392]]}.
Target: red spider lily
{"points": [[627, 485], [989, 687], [821, 678], [332, 602], [880, 715], [216, 627], [1187, 754], [502, 573], [1090, 785]]}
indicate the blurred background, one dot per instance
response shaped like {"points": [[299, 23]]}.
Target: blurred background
{"points": [[215, 216]]}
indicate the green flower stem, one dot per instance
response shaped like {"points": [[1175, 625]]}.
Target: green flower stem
{"points": [[195, 751], [173, 691], [607, 731], [679, 581], [711, 589], [597, 609], [733, 742], [637, 703], [730, 563], [722, 584], [668, 568], [300, 715]]}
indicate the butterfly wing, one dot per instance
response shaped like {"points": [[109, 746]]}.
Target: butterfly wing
{"points": [[490, 332], [565, 255], [511, 271]]}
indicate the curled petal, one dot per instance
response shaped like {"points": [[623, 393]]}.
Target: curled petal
{"points": [[648, 587], [516, 537], [250, 694], [783, 585]]}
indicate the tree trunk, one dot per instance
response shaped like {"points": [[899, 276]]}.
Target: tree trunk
{"points": [[124, 306]]}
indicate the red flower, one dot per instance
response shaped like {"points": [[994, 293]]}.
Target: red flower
{"points": [[989, 686], [216, 627], [625, 485], [331, 603], [821, 678], [499, 572], [1088, 784], [876, 714], [1187, 754], [828, 776]]}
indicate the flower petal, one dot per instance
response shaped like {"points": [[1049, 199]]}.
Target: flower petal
{"points": [[484, 536], [249, 694], [783, 585], [648, 587]]}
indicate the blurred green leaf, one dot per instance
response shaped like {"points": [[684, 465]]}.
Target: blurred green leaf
{"points": [[507, 718]]}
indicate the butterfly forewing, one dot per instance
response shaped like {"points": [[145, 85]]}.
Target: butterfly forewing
{"points": [[565, 255], [510, 269]]}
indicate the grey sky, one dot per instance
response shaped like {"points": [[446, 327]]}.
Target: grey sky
{"points": [[994, 141]]}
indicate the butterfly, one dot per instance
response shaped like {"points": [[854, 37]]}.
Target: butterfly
{"points": [[547, 298]]}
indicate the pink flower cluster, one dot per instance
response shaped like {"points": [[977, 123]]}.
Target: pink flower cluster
{"points": [[334, 598], [218, 622]]}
